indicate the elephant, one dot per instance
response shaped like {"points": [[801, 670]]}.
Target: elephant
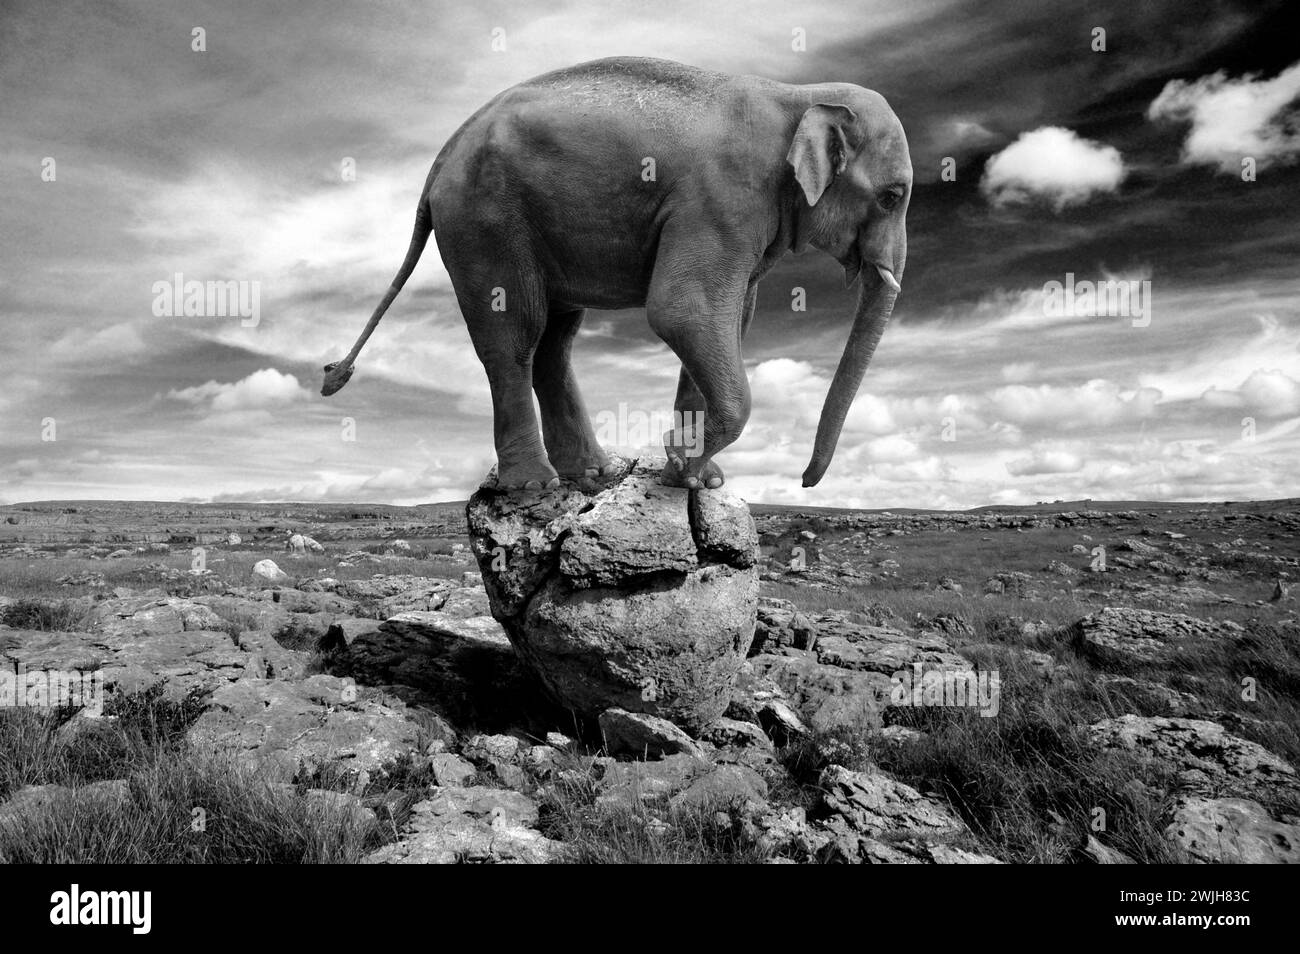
{"points": [[632, 182]]}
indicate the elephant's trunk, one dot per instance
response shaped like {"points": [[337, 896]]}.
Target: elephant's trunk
{"points": [[875, 304]]}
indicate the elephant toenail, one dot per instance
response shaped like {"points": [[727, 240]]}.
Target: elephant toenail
{"points": [[715, 482]]}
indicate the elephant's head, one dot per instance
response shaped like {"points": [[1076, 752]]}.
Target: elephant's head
{"points": [[852, 166]]}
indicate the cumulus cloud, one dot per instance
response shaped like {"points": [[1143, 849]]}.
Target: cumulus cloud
{"points": [[267, 388], [1234, 118], [1045, 459], [1093, 403], [890, 450], [1268, 393], [1054, 164]]}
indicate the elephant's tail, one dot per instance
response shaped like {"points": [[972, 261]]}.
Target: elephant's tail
{"points": [[337, 374]]}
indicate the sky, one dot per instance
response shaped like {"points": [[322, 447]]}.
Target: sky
{"points": [[283, 148]]}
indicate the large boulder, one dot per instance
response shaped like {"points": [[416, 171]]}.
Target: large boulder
{"points": [[269, 571], [623, 594]]}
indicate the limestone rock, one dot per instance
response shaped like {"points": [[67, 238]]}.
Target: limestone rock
{"points": [[298, 601], [1207, 759], [1144, 636], [627, 783], [183, 663], [300, 727], [875, 804], [733, 733], [151, 616], [345, 631], [870, 818], [470, 826], [626, 594], [267, 570], [844, 677], [463, 668], [644, 736], [726, 786], [32, 801], [1233, 831], [300, 544], [1151, 696], [450, 769]]}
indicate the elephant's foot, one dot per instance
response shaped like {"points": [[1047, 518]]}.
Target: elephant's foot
{"points": [[590, 464], [529, 475], [693, 473]]}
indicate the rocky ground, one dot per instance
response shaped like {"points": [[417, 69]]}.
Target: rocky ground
{"points": [[1146, 660]]}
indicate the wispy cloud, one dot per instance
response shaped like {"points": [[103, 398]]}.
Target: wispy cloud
{"points": [[236, 165]]}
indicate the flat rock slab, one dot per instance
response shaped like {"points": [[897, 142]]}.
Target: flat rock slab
{"points": [[1120, 635], [826, 696], [871, 818], [182, 662], [299, 727], [876, 804], [149, 616], [477, 825], [1205, 757], [682, 781], [1233, 831]]}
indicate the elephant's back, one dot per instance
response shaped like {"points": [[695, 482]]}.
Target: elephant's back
{"points": [[624, 80], [636, 96]]}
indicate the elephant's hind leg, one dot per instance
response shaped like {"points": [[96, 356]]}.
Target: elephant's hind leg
{"points": [[566, 427], [507, 320]]}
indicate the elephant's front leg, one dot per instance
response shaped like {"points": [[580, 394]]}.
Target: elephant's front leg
{"points": [[701, 318], [686, 438]]}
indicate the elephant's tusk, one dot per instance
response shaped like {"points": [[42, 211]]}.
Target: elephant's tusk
{"points": [[888, 277]]}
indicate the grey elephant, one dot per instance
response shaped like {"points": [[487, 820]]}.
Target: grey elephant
{"points": [[633, 182]]}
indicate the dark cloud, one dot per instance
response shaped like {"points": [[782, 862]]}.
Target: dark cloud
{"points": [[226, 165]]}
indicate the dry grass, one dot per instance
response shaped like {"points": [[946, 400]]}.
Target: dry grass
{"points": [[648, 833], [246, 816]]}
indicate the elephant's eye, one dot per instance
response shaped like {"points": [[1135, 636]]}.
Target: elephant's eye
{"points": [[890, 198]]}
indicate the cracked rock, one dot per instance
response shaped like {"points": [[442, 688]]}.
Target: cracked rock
{"points": [[625, 594]]}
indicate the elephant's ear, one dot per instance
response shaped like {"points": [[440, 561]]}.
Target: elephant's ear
{"points": [[820, 149]]}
